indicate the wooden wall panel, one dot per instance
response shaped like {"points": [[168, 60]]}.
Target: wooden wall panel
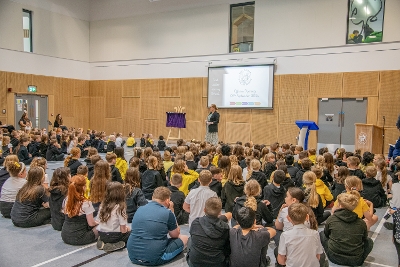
{"points": [[112, 125], [287, 133], [292, 108], [294, 85], [360, 84], [19, 82], [313, 105], [149, 89], [149, 99], [264, 126], [58, 101], [149, 127], [192, 131], [113, 99], [205, 87], [51, 114], [81, 112], [131, 116], [372, 110], [238, 115], [191, 93], [149, 108], [169, 87], [238, 132], [96, 113], [97, 88], [389, 98], [67, 96], [131, 125], [3, 90], [221, 126], [131, 88], [81, 88], [326, 85], [44, 84]]}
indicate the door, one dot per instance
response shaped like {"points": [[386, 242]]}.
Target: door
{"points": [[336, 119], [36, 108]]}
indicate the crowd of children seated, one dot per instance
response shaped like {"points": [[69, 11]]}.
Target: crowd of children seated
{"points": [[280, 193]]}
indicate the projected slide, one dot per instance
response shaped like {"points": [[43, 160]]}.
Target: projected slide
{"points": [[241, 86]]}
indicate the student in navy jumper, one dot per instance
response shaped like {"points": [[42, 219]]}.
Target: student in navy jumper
{"points": [[22, 151]]}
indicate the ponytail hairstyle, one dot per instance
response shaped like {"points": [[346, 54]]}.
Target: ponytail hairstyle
{"points": [[10, 158], [225, 164], [254, 165], [252, 189], [320, 161], [234, 160], [343, 172], [15, 168], [147, 153], [98, 183], [381, 165], [114, 197], [353, 184], [367, 158], [329, 163], [312, 197], [119, 151], [132, 180], [235, 175], [76, 196], [339, 153], [319, 171], [75, 153], [160, 163], [33, 185], [22, 140], [152, 163], [91, 152], [60, 180], [39, 162]]}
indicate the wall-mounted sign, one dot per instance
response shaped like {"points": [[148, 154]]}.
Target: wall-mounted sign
{"points": [[31, 88]]}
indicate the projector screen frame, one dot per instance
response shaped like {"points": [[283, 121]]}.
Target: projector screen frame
{"points": [[271, 83]]}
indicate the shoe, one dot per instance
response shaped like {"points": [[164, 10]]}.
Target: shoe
{"points": [[388, 225], [109, 247], [100, 244]]}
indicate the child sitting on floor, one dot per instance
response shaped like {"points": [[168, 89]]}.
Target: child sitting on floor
{"points": [[372, 188], [111, 159], [178, 198]]}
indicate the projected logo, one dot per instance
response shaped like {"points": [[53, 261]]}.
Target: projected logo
{"points": [[245, 77]]}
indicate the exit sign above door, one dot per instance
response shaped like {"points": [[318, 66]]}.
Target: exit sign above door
{"points": [[32, 88]]}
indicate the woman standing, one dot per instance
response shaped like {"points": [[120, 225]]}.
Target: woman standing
{"points": [[212, 125]]}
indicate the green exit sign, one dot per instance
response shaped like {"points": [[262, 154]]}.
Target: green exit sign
{"points": [[32, 89]]}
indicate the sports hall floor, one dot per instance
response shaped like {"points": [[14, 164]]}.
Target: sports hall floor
{"points": [[42, 246]]}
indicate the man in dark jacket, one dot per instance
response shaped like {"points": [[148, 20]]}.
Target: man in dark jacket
{"points": [[209, 244], [275, 193], [345, 237]]}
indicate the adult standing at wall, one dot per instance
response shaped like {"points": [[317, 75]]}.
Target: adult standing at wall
{"points": [[212, 125]]}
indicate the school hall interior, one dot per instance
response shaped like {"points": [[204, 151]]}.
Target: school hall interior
{"points": [[119, 66]]}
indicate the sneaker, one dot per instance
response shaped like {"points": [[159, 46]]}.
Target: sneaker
{"points": [[109, 247], [100, 244]]}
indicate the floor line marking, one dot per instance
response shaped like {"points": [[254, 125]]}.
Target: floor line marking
{"points": [[379, 264], [378, 228], [64, 255], [92, 259]]}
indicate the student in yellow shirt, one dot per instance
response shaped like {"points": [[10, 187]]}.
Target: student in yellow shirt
{"points": [[130, 141], [312, 155], [188, 176], [83, 170], [364, 208], [121, 162], [322, 189]]}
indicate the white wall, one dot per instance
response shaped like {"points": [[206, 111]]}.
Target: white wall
{"points": [[54, 34]]}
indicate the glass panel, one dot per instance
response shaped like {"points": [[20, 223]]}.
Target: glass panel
{"points": [[27, 30], [365, 21], [242, 27]]}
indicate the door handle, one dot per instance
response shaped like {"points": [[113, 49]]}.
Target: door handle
{"points": [[342, 119], [339, 119]]}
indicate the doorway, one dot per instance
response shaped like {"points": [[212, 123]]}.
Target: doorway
{"points": [[336, 119], [36, 108]]}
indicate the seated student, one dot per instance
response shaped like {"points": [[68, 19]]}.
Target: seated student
{"points": [[150, 229], [216, 184], [4, 174], [79, 225], [143, 140], [204, 164], [300, 246], [72, 161], [34, 146], [196, 199], [168, 163], [352, 165], [189, 157], [263, 207], [292, 170], [365, 208], [134, 195], [119, 142], [111, 159], [113, 229], [256, 174], [312, 155], [22, 152], [312, 198], [161, 143], [268, 166], [151, 178], [372, 188], [247, 232], [367, 160], [53, 152], [111, 144], [6, 147], [275, 193], [91, 152], [345, 237], [178, 198], [102, 144], [120, 163], [299, 154], [130, 141], [11, 187], [287, 182], [339, 153], [233, 188], [338, 182], [93, 160], [83, 170], [149, 141], [209, 244], [305, 167], [31, 207], [58, 192], [98, 184], [82, 147], [322, 190], [188, 176], [383, 176]]}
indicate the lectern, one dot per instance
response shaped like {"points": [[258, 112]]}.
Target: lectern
{"points": [[305, 127], [369, 137]]}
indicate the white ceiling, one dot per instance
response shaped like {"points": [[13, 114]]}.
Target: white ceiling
{"points": [[92, 10]]}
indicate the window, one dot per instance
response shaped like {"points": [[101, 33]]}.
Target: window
{"points": [[27, 29], [242, 27], [365, 21]]}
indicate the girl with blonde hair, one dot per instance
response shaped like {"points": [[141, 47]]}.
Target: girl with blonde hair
{"points": [[256, 174], [312, 198], [233, 188], [188, 176]]}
